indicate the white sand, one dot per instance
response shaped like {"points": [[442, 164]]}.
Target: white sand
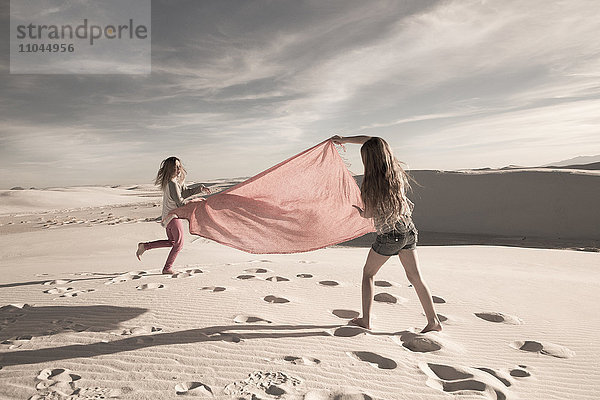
{"points": [[89, 320]]}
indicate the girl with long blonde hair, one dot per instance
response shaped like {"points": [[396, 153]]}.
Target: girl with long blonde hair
{"points": [[383, 191], [171, 179]]}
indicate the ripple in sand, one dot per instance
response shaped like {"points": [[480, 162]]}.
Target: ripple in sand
{"points": [[499, 317], [335, 395], [150, 286], [276, 300], [345, 314], [549, 349], [374, 359], [193, 388], [213, 289]]}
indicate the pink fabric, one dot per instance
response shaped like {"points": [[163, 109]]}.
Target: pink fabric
{"points": [[175, 241], [302, 204]]}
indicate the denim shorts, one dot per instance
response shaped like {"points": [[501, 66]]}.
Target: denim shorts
{"points": [[401, 238]]}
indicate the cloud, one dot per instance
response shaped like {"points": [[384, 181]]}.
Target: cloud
{"points": [[447, 83]]}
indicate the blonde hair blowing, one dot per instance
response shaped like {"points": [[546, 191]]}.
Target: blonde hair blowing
{"points": [[167, 171], [385, 183]]}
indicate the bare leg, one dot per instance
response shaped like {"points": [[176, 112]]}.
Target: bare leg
{"points": [[410, 262], [372, 265]]}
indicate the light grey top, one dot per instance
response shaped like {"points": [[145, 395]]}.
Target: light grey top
{"points": [[174, 195]]}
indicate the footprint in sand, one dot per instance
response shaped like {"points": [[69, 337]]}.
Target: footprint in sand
{"points": [[58, 290], [55, 383], [501, 376], [499, 317], [459, 379], [75, 293], [383, 284], [150, 286], [549, 349], [17, 342], [245, 277], [276, 300], [302, 360], [277, 279], [246, 319], [179, 275], [348, 331], [261, 385], [304, 276], [194, 271], [213, 289], [193, 388], [388, 298], [345, 314], [323, 394], [126, 277], [438, 300], [59, 383], [519, 372], [56, 282], [418, 343], [256, 270], [140, 330], [328, 283], [374, 359]]}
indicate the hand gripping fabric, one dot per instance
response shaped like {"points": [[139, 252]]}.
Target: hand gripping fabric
{"points": [[302, 204]]}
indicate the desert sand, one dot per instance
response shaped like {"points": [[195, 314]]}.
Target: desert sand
{"points": [[81, 317]]}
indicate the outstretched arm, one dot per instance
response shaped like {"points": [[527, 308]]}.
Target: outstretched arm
{"points": [[350, 139]]}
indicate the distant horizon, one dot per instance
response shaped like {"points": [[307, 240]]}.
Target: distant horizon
{"points": [[238, 87], [241, 178]]}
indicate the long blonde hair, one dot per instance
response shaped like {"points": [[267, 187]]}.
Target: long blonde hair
{"points": [[167, 171], [385, 182]]}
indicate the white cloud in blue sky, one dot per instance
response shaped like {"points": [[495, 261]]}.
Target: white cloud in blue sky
{"points": [[239, 86]]}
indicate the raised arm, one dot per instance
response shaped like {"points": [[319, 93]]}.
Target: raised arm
{"points": [[350, 139]]}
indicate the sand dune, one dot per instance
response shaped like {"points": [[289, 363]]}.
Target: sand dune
{"points": [[81, 317]]}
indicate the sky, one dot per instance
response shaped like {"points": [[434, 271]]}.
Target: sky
{"points": [[238, 86]]}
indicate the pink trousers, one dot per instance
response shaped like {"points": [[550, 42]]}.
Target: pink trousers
{"points": [[174, 240]]}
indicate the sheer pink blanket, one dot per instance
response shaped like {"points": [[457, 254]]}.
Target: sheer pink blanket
{"points": [[302, 204]]}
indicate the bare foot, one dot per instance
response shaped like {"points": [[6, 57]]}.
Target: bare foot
{"points": [[360, 322], [168, 271], [140, 250], [435, 326]]}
